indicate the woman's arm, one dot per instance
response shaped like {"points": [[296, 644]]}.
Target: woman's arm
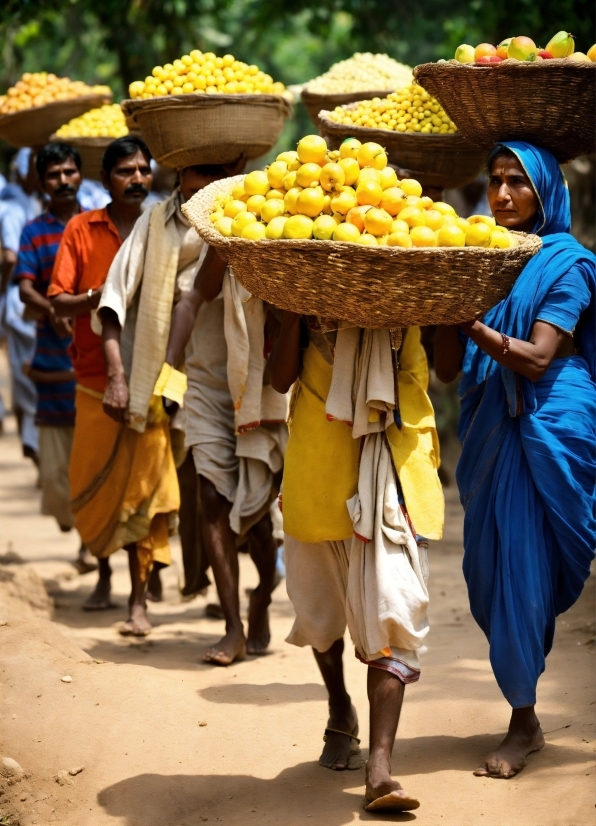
{"points": [[116, 397], [210, 277], [449, 353], [71, 306], [284, 361], [528, 358]]}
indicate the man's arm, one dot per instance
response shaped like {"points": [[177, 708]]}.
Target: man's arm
{"points": [[9, 259], [39, 304], [183, 321], [115, 400], [284, 361], [67, 305], [210, 277]]}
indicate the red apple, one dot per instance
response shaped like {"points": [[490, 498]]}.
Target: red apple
{"points": [[484, 49], [544, 54], [488, 60]]}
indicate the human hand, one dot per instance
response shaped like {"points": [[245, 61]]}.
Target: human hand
{"points": [[61, 326], [115, 400]]}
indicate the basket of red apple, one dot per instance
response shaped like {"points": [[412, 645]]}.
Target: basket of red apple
{"points": [[519, 91]]}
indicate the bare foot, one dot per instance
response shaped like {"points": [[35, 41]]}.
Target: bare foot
{"points": [[339, 748], [85, 561], [154, 586], [231, 648], [524, 737], [383, 793], [213, 610], [259, 635], [100, 599], [137, 625]]}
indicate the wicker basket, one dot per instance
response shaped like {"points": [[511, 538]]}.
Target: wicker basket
{"points": [[33, 127], [442, 161], [91, 151], [550, 103], [370, 287], [315, 103], [185, 130]]}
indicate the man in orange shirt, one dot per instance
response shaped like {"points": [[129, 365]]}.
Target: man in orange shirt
{"points": [[123, 483]]}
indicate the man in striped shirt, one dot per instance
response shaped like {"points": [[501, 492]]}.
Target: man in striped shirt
{"points": [[58, 168]]}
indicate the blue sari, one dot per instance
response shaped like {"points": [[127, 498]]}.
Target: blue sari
{"points": [[528, 464]]}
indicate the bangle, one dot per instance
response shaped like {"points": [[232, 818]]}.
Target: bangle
{"points": [[506, 343], [89, 295]]}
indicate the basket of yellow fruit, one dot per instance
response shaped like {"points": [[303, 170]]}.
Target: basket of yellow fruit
{"points": [[517, 91], [91, 133], [360, 77], [204, 109], [372, 252], [39, 103], [416, 132]]}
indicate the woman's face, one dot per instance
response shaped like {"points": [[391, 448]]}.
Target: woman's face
{"points": [[511, 196]]}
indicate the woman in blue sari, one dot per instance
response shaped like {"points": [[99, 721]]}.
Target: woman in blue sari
{"points": [[527, 427]]}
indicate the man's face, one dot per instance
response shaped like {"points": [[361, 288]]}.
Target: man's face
{"points": [[191, 182], [130, 180], [61, 181]]}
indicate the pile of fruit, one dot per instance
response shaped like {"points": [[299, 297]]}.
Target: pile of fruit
{"points": [[206, 73], [349, 194], [410, 109], [39, 88], [360, 73], [106, 122], [562, 45]]}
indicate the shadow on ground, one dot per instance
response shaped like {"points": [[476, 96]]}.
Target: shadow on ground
{"points": [[303, 794]]}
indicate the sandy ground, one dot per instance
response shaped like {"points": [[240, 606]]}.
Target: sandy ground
{"points": [[167, 741]]}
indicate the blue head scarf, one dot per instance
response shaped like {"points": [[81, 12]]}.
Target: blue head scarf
{"points": [[516, 314], [550, 186]]}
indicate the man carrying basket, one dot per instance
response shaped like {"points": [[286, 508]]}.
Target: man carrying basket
{"points": [[360, 471]]}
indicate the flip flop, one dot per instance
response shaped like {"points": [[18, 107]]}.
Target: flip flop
{"points": [[355, 760], [396, 801]]}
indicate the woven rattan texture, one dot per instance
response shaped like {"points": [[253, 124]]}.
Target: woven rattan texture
{"points": [[550, 103], [367, 286], [443, 161], [315, 103], [33, 127], [185, 130], [91, 151]]}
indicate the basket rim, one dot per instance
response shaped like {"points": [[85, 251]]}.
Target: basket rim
{"points": [[197, 100], [332, 126], [99, 140], [54, 104], [503, 66], [314, 96], [207, 231]]}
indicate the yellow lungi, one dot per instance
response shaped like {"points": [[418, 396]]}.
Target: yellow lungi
{"points": [[124, 485]]}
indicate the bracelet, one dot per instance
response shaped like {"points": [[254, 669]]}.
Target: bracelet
{"points": [[89, 294], [506, 343]]}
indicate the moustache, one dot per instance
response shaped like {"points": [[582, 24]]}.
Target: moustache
{"points": [[136, 189], [65, 188]]}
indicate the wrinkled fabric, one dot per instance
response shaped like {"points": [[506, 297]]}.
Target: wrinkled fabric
{"points": [[528, 464]]}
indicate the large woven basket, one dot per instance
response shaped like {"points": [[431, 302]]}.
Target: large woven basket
{"points": [[186, 130], [367, 286], [315, 103], [33, 127], [442, 161], [91, 151], [549, 103]]}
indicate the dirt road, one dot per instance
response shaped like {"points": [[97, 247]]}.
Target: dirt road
{"points": [[167, 741]]}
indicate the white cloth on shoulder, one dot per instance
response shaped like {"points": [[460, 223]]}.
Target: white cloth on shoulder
{"points": [[161, 251]]}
